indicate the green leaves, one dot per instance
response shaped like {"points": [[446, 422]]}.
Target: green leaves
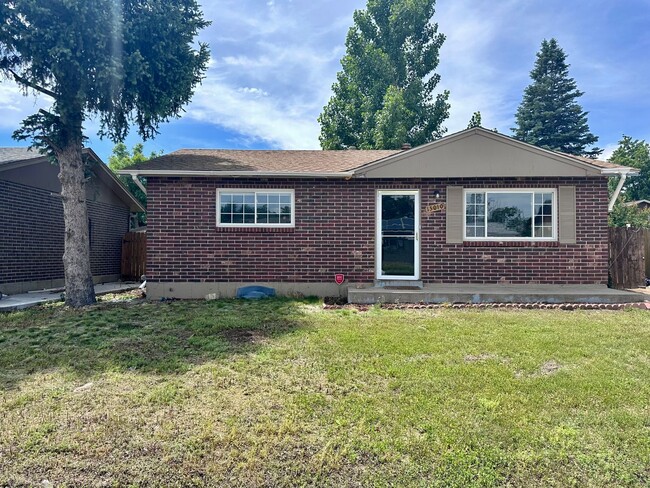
{"points": [[122, 158], [549, 115], [636, 154], [475, 121], [383, 97], [131, 62]]}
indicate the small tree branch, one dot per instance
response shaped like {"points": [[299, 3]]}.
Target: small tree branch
{"points": [[51, 143], [26, 82]]}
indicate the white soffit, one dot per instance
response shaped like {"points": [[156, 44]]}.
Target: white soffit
{"points": [[476, 153]]}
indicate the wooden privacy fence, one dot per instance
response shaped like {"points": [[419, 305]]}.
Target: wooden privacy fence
{"points": [[134, 255], [646, 239], [627, 263]]}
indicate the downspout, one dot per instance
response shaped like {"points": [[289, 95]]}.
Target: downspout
{"points": [[619, 187], [135, 179]]}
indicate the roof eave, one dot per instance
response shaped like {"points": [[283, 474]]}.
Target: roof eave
{"points": [[228, 174], [619, 171]]}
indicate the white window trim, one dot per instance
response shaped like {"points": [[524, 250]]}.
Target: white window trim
{"points": [[257, 190], [510, 190]]}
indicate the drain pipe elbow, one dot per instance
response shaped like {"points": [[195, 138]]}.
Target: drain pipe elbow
{"points": [[619, 187], [135, 179]]}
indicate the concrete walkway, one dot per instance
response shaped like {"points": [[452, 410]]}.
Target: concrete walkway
{"points": [[436, 293], [21, 301]]}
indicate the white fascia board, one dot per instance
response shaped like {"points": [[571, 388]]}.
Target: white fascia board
{"points": [[226, 174], [623, 170]]}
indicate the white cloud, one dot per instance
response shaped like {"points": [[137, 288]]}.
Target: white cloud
{"points": [[14, 106], [470, 66], [272, 84], [264, 118], [607, 151], [258, 92]]}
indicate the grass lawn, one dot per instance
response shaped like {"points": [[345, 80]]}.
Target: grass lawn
{"points": [[283, 392]]}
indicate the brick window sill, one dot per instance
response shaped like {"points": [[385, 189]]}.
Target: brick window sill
{"points": [[256, 230], [511, 244]]}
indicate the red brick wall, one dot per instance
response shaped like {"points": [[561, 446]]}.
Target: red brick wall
{"points": [[32, 233], [335, 233]]}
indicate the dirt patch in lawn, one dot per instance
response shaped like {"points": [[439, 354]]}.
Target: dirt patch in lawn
{"points": [[470, 358], [549, 368], [241, 337]]}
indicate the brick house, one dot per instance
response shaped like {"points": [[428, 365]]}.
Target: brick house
{"points": [[31, 218], [472, 207]]}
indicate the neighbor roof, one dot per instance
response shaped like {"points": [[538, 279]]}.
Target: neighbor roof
{"points": [[13, 154], [319, 163], [16, 157]]}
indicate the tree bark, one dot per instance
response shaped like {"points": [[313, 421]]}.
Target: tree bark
{"points": [[79, 288]]}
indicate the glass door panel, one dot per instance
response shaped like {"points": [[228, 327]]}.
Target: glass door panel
{"points": [[398, 234]]}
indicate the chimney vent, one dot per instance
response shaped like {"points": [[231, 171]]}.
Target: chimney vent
{"points": [[406, 146]]}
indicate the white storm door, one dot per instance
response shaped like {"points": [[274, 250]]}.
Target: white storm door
{"points": [[398, 231]]}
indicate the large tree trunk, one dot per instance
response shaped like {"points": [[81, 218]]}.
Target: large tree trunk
{"points": [[79, 289]]}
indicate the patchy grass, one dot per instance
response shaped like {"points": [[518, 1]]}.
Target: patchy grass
{"points": [[282, 392]]}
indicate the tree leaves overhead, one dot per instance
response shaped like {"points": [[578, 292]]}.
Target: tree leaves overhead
{"points": [[122, 158], [128, 62], [549, 115], [636, 154], [384, 95]]}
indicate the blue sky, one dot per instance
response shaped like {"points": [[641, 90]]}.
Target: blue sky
{"points": [[273, 64]]}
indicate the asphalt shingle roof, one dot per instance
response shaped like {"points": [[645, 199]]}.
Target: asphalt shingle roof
{"points": [[12, 154], [307, 161]]}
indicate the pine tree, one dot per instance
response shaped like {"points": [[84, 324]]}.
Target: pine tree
{"points": [[124, 62], [549, 115], [384, 95]]}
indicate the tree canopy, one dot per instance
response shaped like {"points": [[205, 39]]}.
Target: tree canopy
{"points": [[122, 62], [384, 95], [475, 121], [549, 115], [636, 154], [122, 158]]}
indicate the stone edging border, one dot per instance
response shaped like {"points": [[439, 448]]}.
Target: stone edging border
{"points": [[517, 306]]}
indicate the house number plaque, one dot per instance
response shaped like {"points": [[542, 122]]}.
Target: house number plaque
{"points": [[436, 207]]}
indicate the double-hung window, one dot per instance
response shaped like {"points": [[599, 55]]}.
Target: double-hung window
{"points": [[255, 208], [510, 214]]}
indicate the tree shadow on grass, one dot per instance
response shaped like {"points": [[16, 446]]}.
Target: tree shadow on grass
{"points": [[164, 338]]}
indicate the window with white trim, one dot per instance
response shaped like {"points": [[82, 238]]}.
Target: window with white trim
{"points": [[255, 208], [510, 214]]}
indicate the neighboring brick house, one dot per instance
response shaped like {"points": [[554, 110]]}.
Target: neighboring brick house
{"points": [[473, 207], [31, 219]]}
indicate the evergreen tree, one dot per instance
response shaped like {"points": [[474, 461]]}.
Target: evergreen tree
{"points": [[384, 95], [123, 61], [475, 121], [549, 115]]}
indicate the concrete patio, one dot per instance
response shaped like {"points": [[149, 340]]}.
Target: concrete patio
{"points": [[21, 301], [439, 293]]}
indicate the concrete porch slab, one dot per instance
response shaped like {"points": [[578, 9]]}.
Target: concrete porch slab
{"points": [[441, 293], [9, 303]]}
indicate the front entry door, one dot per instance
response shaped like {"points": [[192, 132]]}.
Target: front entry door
{"points": [[398, 230]]}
